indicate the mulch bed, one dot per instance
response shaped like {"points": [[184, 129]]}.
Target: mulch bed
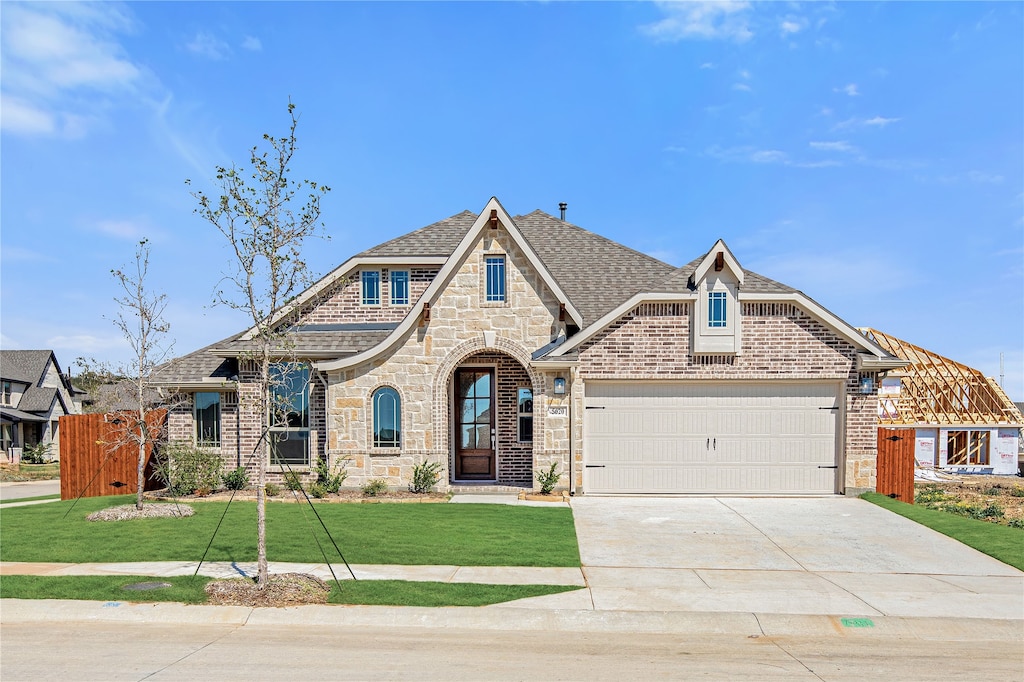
{"points": [[283, 589], [127, 512]]}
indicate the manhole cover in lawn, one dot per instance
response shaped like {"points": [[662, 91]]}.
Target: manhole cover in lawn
{"points": [[140, 587]]}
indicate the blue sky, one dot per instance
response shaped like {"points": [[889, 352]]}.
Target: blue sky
{"points": [[871, 155]]}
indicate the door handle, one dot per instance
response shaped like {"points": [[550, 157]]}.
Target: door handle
{"points": [[714, 442], [707, 446]]}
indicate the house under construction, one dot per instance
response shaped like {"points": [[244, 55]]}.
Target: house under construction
{"points": [[963, 421]]}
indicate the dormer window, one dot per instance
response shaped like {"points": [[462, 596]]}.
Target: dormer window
{"points": [[718, 315], [371, 287]]}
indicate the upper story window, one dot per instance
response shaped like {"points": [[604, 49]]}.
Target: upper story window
{"points": [[495, 267], [371, 287], [289, 420], [6, 393], [525, 414], [207, 413], [387, 418], [717, 309], [399, 287]]}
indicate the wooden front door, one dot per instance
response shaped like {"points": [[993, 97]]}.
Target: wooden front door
{"points": [[474, 424]]}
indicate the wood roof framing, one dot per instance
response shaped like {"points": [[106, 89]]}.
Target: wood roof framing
{"points": [[937, 390]]}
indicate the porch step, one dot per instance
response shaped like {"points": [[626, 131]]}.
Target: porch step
{"points": [[486, 489]]}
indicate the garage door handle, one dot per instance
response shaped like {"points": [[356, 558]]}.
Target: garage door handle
{"points": [[829, 408], [592, 407], [595, 466], [834, 466]]}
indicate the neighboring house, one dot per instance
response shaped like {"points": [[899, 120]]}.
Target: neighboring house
{"points": [[34, 394], [497, 346], [962, 420]]}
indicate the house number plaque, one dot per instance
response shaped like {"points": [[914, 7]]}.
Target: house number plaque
{"points": [[558, 411]]}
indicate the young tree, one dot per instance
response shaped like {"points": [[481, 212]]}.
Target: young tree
{"points": [[266, 216], [140, 319]]}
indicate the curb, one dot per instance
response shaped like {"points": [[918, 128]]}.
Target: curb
{"points": [[752, 625]]}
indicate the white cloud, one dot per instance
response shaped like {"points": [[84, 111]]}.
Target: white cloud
{"points": [[877, 122], [127, 229], [839, 146], [768, 156], [208, 45], [252, 44], [744, 74], [747, 154], [707, 65], [87, 344], [880, 121], [850, 89], [792, 25], [708, 20], [742, 87], [988, 178], [55, 57]]}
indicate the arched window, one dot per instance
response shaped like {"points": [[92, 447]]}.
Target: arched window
{"points": [[387, 418]]}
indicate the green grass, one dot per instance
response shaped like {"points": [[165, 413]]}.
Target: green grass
{"points": [[189, 590], [186, 589], [31, 499], [1001, 542], [412, 534]]}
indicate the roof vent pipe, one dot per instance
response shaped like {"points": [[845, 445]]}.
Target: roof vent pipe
{"points": [[561, 208]]}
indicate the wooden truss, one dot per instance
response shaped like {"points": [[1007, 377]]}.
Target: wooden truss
{"points": [[937, 390]]}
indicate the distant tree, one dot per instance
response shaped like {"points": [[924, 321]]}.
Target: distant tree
{"points": [[140, 319], [266, 216]]}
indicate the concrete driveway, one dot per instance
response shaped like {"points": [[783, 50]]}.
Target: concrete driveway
{"points": [[835, 555], [16, 490]]}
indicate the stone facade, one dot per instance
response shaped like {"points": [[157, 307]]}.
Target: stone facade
{"points": [[463, 330]]}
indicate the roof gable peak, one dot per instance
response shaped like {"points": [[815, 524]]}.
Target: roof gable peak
{"points": [[718, 259]]}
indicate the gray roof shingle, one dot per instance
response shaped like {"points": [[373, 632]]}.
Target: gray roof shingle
{"points": [[436, 239], [24, 366]]}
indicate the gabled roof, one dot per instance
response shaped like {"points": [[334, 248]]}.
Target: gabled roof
{"points": [[436, 239], [25, 366], [940, 391]]}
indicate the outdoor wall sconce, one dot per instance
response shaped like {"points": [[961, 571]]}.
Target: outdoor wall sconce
{"points": [[867, 385], [559, 386]]}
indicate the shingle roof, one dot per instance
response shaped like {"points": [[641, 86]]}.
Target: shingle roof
{"points": [[341, 342], [596, 273], [37, 399], [197, 365], [436, 239], [679, 281], [24, 366]]}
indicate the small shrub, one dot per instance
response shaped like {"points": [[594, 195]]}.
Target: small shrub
{"points": [[293, 480], [930, 494], [330, 480], [236, 479], [40, 453], [975, 511], [1016, 523], [272, 490], [548, 479], [993, 490], [1017, 491], [425, 476], [375, 487], [318, 490], [184, 468]]}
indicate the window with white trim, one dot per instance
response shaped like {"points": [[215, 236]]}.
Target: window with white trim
{"points": [[387, 418], [399, 287], [371, 287], [495, 278], [289, 415], [718, 302], [7, 392]]}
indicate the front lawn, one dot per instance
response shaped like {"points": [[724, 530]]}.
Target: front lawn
{"points": [[189, 590], [411, 534], [1001, 542]]}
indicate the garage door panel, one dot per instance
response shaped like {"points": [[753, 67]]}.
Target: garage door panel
{"points": [[710, 438]]}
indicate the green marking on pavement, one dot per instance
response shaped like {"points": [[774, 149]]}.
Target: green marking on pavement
{"points": [[857, 623]]}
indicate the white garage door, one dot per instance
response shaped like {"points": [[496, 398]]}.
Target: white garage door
{"points": [[645, 437]]}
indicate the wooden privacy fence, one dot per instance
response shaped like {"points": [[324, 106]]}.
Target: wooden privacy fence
{"points": [[96, 457], [896, 464]]}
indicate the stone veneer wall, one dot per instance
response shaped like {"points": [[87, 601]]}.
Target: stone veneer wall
{"points": [[345, 305], [780, 341], [421, 366]]}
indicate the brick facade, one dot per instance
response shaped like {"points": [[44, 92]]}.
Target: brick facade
{"points": [[345, 304]]}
